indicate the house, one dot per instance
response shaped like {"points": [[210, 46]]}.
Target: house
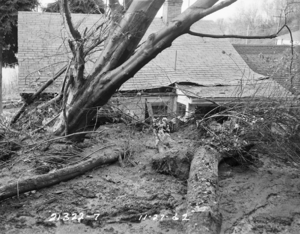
{"points": [[266, 60], [286, 39], [193, 71]]}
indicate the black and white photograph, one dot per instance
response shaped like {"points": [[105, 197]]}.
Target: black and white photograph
{"points": [[149, 116]]}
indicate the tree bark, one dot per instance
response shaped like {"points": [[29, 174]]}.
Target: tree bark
{"points": [[203, 207], [1, 88], [46, 180]]}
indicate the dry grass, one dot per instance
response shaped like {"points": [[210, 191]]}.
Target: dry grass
{"points": [[272, 123]]}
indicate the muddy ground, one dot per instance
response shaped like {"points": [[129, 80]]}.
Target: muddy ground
{"points": [[252, 200]]}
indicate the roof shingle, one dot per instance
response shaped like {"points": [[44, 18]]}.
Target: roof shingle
{"points": [[43, 50]]}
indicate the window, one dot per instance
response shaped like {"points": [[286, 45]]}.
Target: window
{"points": [[159, 109], [156, 109], [181, 109]]}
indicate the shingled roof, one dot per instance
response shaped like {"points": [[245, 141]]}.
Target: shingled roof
{"points": [[264, 59], [43, 50]]}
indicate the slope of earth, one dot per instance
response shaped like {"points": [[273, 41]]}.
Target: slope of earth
{"points": [[116, 198]]}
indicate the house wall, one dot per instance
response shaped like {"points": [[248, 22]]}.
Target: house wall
{"points": [[183, 99], [136, 105]]}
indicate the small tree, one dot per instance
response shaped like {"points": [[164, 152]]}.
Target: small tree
{"points": [[8, 32]]}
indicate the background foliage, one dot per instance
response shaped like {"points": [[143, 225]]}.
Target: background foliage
{"points": [[8, 27], [79, 6]]}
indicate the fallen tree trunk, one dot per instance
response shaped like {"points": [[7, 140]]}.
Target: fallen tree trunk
{"points": [[46, 180], [203, 210]]}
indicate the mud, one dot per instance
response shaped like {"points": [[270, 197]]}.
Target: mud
{"points": [[260, 200]]}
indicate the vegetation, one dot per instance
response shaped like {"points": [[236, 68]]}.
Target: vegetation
{"points": [[79, 6], [8, 27]]}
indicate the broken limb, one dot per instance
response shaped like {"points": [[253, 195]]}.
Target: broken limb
{"points": [[58, 97], [55, 177], [45, 125], [37, 94]]}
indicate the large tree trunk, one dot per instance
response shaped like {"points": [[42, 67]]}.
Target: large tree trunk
{"points": [[1, 91], [117, 62], [203, 206]]}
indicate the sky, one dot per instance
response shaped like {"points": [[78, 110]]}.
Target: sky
{"points": [[224, 13]]}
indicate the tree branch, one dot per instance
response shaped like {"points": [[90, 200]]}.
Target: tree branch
{"points": [[76, 49], [237, 36], [72, 47], [37, 94], [75, 34], [79, 63], [124, 38], [231, 36]]}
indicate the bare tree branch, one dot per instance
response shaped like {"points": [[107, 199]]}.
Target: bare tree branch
{"points": [[232, 36], [292, 59], [80, 63], [74, 32], [72, 47], [76, 49], [292, 41], [34, 96], [88, 50], [242, 36]]}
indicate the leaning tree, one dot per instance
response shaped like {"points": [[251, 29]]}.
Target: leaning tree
{"points": [[8, 32], [121, 57]]}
